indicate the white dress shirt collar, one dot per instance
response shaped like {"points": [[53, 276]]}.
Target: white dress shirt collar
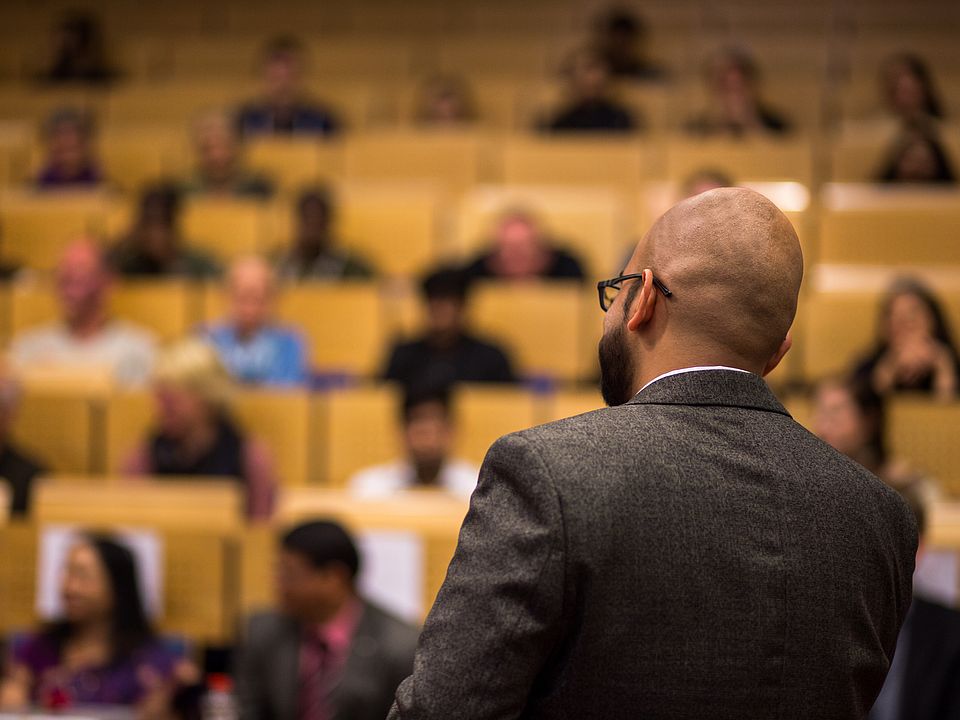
{"points": [[699, 368]]}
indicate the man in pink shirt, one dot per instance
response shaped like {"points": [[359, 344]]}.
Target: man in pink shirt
{"points": [[328, 654]]}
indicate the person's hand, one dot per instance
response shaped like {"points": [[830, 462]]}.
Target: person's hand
{"points": [[15, 689], [915, 359], [157, 700]]}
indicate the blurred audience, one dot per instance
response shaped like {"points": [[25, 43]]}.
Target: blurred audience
{"points": [[620, 39], [922, 683], [908, 90], [521, 250], [705, 180], [428, 435], [444, 101], [284, 107], [328, 652], [154, 245], [220, 169], [735, 108], [314, 253], [102, 650], [70, 161], [253, 347], [79, 54], [590, 104], [447, 352], [195, 433], [914, 349], [17, 468], [917, 156], [851, 417], [86, 338]]}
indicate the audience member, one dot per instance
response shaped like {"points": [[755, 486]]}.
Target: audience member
{"points": [[620, 40], [915, 349], [252, 346], [734, 107], [703, 180], [428, 435], [444, 101], [78, 53], [909, 91], [328, 653], [70, 162], [851, 417], [446, 353], [284, 108], [590, 106], [154, 246], [522, 251], [922, 683], [314, 253], [220, 169], [102, 650], [195, 434], [917, 156], [17, 468], [86, 339]]}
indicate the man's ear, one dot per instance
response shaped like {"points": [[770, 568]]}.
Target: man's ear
{"points": [[779, 354], [644, 302]]}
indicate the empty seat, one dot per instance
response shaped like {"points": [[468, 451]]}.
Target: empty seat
{"points": [[483, 413], [448, 157], [295, 162], [358, 428], [753, 159], [924, 433], [227, 228], [60, 429]]}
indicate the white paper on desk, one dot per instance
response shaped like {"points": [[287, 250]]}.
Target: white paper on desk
{"points": [[937, 576], [392, 571], [56, 542]]}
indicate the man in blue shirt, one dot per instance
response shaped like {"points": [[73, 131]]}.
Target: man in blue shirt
{"points": [[254, 348]]}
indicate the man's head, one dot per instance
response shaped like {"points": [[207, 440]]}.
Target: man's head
{"points": [[217, 146], [282, 67], [314, 217], [445, 292], [82, 282], [156, 229], [251, 288], [317, 570], [427, 429], [733, 264], [520, 249], [69, 134], [588, 75]]}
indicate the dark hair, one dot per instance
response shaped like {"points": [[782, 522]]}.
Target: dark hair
{"points": [[323, 543], [917, 67], [416, 397], [622, 22], [282, 45], [164, 198], [129, 628], [320, 194], [912, 286], [918, 133], [446, 283]]}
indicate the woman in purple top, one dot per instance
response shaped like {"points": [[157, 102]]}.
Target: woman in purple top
{"points": [[103, 650], [70, 158]]}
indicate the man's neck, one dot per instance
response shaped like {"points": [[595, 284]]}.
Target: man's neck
{"points": [[87, 325], [656, 368]]}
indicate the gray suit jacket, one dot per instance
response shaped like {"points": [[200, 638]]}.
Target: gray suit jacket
{"points": [[692, 554], [268, 662]]}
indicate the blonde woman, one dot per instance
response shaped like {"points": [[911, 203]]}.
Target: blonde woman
{"points": [[194, 433]]}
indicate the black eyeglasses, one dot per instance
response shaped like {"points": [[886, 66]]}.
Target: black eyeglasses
{"points": [[608, 289]]}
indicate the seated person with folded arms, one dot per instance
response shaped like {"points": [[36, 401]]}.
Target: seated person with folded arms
{"points": [[735, 108], [17, 468], [220, 170], [154, 246], [284, 108], [102, 650], [428, 433], [923, 682], [327, 653], [86, 339], [314, 253], [590, 105], [446, 353], [255, 349], [915, 351], [195, 433], [70, 161], [521, 250]]}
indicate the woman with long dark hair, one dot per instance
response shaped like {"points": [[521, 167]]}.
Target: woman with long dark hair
{"points": [[102, 650], [915, 349]]}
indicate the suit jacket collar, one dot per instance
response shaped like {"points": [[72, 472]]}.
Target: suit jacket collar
{"points": [[723, 388], [362, 663]]}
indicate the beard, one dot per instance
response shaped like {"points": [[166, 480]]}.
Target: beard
{"points": [[616, 368]]}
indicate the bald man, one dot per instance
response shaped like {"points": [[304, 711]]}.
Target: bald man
{"points": [[252, 345], [86, 338], [690, 552]]}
